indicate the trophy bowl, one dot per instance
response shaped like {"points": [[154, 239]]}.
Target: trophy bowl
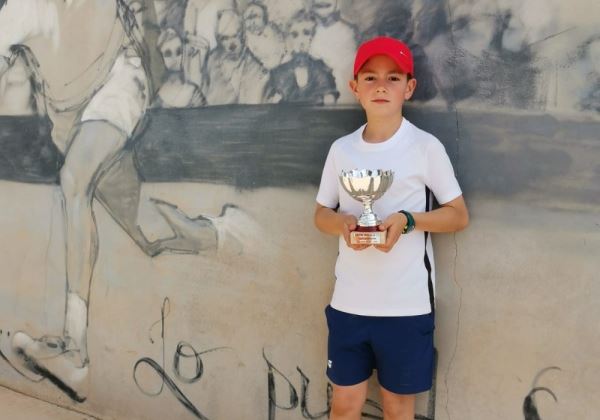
{"points": [[366, 186]]}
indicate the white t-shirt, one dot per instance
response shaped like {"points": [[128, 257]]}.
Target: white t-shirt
{"points": [[371, 282]]}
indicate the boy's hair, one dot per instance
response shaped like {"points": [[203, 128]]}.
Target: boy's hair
{"points": [[393, 48]]}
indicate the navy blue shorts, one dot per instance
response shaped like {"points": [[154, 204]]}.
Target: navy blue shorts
{"points": [[399, 347]]}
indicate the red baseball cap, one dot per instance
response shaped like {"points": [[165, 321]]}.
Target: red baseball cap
{"points": [[383, 45]]}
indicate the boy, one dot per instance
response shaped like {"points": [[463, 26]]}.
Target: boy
{"points": [[381, 313]]}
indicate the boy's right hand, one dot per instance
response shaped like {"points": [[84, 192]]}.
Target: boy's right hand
{"points": [[348, 225]]}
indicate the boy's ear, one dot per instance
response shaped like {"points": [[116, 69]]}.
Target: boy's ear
{"points": [[353, 85], [410, 88]]}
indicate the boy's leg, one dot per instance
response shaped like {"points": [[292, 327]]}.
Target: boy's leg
{"points": [[397, 406], [404, 351], [350, 362], [347, 401]]}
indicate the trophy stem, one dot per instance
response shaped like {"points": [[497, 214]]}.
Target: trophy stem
{"points": [[368, 218], [368, 206]]}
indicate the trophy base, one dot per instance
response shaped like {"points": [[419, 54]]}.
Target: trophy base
{"points": [[368, 235]]}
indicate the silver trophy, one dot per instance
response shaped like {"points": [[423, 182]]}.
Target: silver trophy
{"points": [[366, 186]]}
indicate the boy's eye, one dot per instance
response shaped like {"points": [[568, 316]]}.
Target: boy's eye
{"points": [[369, 78], [394, 78]]}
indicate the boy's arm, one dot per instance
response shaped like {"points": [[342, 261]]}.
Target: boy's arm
{"points": [[331, 222], [450, 217]]}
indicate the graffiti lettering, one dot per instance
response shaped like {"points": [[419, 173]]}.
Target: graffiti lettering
{"points": [[170, 384], [178, 354], [291, 401], [294, 401], [273, 405], [304, 401], [530, 410]]}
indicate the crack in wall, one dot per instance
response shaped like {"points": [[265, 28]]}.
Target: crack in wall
{"points": [[454, 350], [452, 106], [456, 282]]}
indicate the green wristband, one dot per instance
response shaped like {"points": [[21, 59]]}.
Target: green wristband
{"points": [[410, 222]]}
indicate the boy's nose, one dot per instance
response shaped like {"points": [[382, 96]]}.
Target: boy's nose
{"points": [[381, 87]]}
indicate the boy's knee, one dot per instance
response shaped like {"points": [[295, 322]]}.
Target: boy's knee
{"points": [[346, 405], [342, 410], [399, 407], [397, 412]]}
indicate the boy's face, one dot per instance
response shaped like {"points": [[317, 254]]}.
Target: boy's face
{"points": [[381, 87]]}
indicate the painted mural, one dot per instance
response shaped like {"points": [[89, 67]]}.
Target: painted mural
{"points": [[178, 143]]}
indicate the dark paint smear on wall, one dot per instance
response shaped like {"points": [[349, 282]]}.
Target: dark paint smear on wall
{"points": [[504, 155], [257, 146], [26, 152]]}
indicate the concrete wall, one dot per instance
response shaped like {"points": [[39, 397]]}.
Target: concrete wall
{"points": [[203, 291]]}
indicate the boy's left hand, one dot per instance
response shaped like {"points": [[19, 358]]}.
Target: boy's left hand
{"points": [[394, 225]]}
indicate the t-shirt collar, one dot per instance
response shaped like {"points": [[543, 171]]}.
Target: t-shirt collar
{"points": [[397, 137]]}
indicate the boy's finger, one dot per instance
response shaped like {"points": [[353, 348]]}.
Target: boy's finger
{"points": [[347, 239], [358, 247], [384, 226], [392, 238], [383, 248]]}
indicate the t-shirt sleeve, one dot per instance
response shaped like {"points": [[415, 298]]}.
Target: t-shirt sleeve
{"points": [[440, 176], [328, 194]]}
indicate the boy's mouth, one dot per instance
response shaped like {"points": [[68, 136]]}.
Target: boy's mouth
{"points": [[380, 101]]}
